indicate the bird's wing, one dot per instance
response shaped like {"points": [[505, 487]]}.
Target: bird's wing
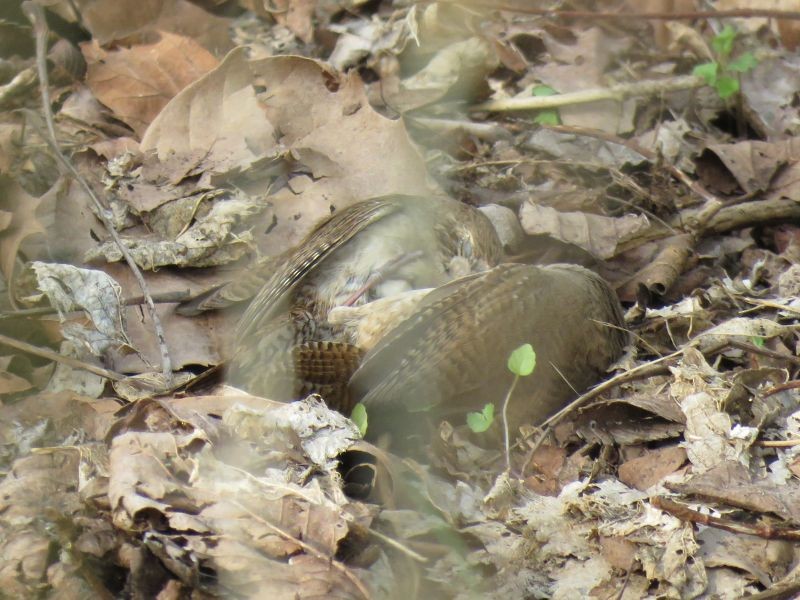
{"points": [[227, 294], [407, 366], [317, 246]]}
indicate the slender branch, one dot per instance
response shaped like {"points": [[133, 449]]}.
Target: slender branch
{"points": [[762, 530], [742, 13], [506, 436], [55, 356], [20, 84], [618, 92], [339, 566], [165, 298], [35, 14], [397, 546]]}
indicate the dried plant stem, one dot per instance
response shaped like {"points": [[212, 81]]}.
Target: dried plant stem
{"points": [[21, 83], [35, 14], [308, 548], [506, 436], [765, 531], [165, 298], [55, 356], [398, 546], [736, 13], [643, 370], [615, 92]]}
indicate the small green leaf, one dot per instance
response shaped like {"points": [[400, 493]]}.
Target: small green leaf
{"points": [[726, 86], [543, 90], [743, 63], [359, 417], [723, 41], [522, 360], [547, 117], [757, 341], [707, 71], [481, 421]]}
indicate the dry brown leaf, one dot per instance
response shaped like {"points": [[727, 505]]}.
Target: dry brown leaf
{"points": [[296, 16], [248, 515], [580, 64], [788, 29], [110, 20], [190, 341], [23, 224], [351, 151], [754, 164], [646, 471], [136, 82], [664, 35], [457, 71], [618, 551], [598, 235], [731, 483], [217, 118], [12, 384], [10, 138]]}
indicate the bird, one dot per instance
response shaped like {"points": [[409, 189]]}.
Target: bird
{"points": [[284, 344], [449, 357]]}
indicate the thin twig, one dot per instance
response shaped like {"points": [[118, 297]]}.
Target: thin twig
{"points": [[694, 186], [397, 546], [55, 356], [777, 443], [742, 13], [506, 435], [762, 530], [342, 568], [617, 92], [20, 84], [753, 349], [35, 14], [165, 298], [781, 387], [642, 370]]}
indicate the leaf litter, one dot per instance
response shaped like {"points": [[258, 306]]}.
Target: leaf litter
{"points": [[677, 482]]}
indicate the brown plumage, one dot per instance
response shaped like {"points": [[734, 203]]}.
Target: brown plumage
{"points": [[364, 252], [450, 356]]}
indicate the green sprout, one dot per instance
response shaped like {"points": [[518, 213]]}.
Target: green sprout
{"points": [[359, 417], [723, 73], [548, 116], [479, 422], [521, 363]]}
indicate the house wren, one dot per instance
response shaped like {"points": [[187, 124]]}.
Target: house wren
{"points": [[285, 344], [449, 357]]}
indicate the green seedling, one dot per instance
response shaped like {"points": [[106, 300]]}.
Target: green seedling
{"points": [[548, 116], [521, 363], [479, 422], [359, 417], [723, 73]]}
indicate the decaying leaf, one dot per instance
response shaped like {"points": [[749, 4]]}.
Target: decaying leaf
{"points": [[138, 81], [601, 236], [71, 289], [19, 216]]}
